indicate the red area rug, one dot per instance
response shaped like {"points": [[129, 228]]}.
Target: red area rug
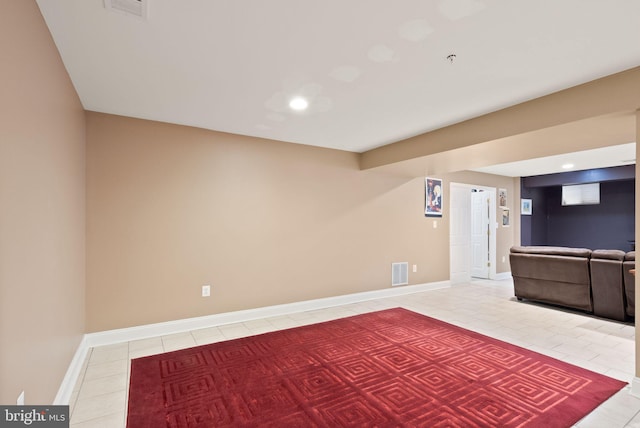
{"points": [[384, 369]]}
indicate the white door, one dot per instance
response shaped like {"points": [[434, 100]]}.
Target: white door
{"points": [[480, 231], [459, 234]]}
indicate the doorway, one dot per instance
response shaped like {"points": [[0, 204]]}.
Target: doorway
{"points": [[480, 233], [472, 231]]}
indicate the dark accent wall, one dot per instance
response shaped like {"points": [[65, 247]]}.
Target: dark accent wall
{"points": [[534, 227], [608, 225]]}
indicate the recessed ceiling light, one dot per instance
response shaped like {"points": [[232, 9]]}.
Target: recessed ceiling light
{"points": [[567, 166], [298, 104]]}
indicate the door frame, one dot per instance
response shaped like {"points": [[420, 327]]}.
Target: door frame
{"points": [[493, 225]]}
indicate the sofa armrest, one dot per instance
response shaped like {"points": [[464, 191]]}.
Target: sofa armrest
{"points": [[607, 284]]}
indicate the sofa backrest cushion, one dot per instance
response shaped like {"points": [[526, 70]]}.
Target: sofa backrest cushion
{"points": [[556, 251], [608, 254]]}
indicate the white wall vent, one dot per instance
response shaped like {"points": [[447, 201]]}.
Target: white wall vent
{"points": [[136, 8], [399, 273]]}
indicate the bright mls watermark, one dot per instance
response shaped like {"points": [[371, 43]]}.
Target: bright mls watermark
{"points": [[34, 416]]}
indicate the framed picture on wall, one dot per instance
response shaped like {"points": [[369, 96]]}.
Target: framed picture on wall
{"points": [[502, 197], [525, 207], [505, 217], [433, 197]]}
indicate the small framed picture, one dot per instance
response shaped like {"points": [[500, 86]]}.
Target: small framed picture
{"points": [[502, 197], [525, 207], [433, 197], [505, 217]]}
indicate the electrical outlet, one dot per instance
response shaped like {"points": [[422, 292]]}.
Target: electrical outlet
{"points": [[435, 224], [20, 400], [206, 290], [503, 259], [415, 268]]}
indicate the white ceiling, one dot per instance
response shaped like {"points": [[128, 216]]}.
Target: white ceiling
{"points": [[624, 154], [374, 71]]}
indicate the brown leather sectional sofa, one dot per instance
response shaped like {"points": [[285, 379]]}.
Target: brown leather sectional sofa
{"points": [[594, 281]]}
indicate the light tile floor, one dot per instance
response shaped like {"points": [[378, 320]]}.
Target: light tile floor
{"points": [[488, 307]]}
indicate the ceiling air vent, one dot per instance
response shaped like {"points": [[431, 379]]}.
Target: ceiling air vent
{"points": [[137, 8]]}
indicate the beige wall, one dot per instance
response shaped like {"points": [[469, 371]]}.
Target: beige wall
{"points": [[42, 220], [171, 208]]}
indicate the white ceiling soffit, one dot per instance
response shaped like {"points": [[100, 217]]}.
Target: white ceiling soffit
{"points": [[604, 157], [373, 72]]}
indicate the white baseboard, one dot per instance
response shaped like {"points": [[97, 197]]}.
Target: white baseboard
{"points": [[502, 276], [635, 387], [178, 326], [71, 376], [110, 337], [151, 330]]}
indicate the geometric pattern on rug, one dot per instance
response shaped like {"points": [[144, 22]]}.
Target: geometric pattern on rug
{"points": [[387, 369]]}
